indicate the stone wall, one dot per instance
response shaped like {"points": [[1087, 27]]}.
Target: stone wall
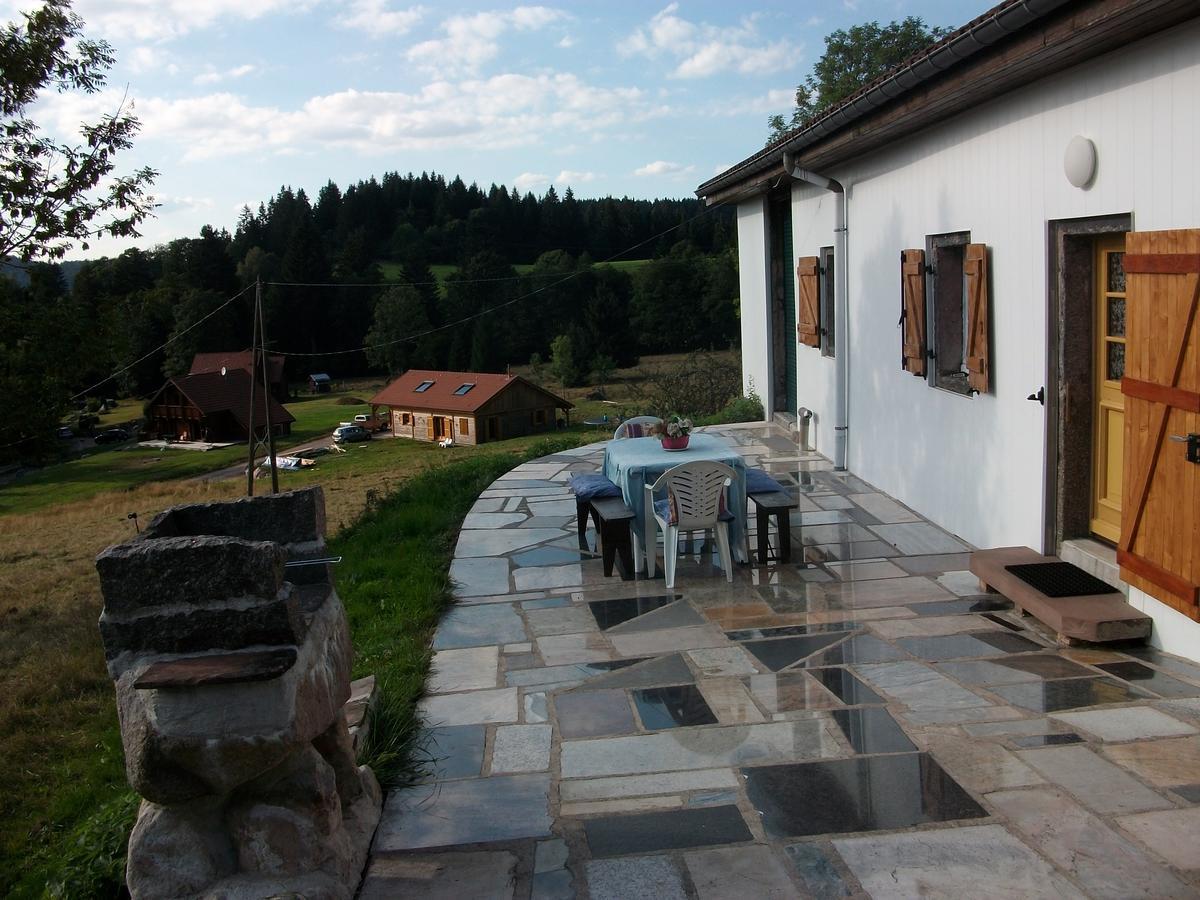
{"points": [[231, 672]]}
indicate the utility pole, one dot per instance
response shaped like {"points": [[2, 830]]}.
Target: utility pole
{"points": [[258, 343]]}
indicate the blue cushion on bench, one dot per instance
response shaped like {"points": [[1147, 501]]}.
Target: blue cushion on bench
{"points": [[759, 482], [593, 486]]}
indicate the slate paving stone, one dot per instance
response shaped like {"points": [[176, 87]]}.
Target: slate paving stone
{"points": [[862, 648], [984, 672], [1126, 724], [963, 605], [495, 542], [593, 713], [454, 751], [547, 603], [547, 556], [479, 577], [1046, 740], [1104, 863], [1067, 693], [666, 830], [725, 872], [474, 811], [1009, 643], [958, 646], [780, 653], [673, 615], [714, 661], [562, 620], [846, 795], [975, 861], [636, 673], [557, 885], [1170, 833], [916, 538], [842, 684], [919, 687], [1093, 780], [1150, 679], [749, 634], [729, 700], [1045, 665], [814, 864], [1168, 663], [479, 626], [441, 876], [535, 708], [521, 748], [1011, 626], [872, 730], [471, 708], [934, 564], [1189, 792], [819, 553], [789, 691], [646, 785], [672, 707], [621, 609], [467, 669], [519, 661], [635, 878], [1165, 762]]}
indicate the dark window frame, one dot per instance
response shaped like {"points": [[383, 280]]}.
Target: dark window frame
{"points": [[826, 293], [946, 314], [423, 387]]}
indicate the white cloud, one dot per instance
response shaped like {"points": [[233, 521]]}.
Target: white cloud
{"points": [[661, 167], [169, 203], [472, 40], [501, 112], [566, 42], [213, 77], [374, 18], [568, 176], [701, 49], [527, 181], [160, 20]]}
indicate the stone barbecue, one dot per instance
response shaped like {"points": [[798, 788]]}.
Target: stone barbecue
{"points": [[231, 673]]}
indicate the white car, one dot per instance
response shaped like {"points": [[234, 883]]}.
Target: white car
{"points": [[346, 434]]}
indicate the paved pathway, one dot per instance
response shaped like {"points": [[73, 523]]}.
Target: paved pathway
{"points": [[867, 726]]}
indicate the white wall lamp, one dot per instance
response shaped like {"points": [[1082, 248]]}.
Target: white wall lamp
{"points": [[1079, 162]]}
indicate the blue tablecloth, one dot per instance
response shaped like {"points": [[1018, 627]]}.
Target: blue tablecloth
{"points": [[635, 462]]}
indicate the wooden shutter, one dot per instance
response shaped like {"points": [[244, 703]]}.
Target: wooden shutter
{"points": [[912, 310], [808, 321], [975, 269], [1159, 550]]}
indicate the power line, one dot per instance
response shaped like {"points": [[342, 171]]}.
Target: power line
{"points": [[484, 312]]}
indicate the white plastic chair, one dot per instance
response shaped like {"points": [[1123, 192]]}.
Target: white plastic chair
{"points": [[697, 488], [622, 429]]}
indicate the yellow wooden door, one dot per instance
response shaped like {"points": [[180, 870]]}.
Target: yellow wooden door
{"points": [[1108, 406], [1159, 550]]}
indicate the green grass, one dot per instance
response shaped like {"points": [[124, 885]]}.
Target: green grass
{"points": [[108, 468]]}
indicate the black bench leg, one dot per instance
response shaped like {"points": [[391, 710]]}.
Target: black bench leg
{"points": [[784, 518], [764, 523], [582, 508], [616, 546]]}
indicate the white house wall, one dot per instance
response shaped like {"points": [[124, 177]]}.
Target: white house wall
{"points": [[975, 465], [755, 309]]}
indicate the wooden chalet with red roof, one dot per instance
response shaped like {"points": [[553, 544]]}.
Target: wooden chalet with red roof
{"points": [[469, 407], [205, 363]]}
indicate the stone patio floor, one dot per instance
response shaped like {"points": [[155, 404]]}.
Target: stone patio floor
{"points": [[869, 726]]}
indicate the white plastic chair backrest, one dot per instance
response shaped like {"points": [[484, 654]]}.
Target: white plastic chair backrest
{"points": [[697, 488], [621, 431]]}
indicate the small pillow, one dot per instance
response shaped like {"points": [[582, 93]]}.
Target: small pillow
{"points": [[593, 486], [666, 510], [635, 430], [759, 482]]}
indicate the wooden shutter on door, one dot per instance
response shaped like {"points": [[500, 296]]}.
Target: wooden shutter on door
{"points": [[912, 310], [808, 322], [975, 271], [1159, 550]]}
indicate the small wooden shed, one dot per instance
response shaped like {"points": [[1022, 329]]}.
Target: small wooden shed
{"points": [[469, 407], [320, 383]]}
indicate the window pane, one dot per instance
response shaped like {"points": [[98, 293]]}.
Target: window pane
{"points": [[1116, 316], [1116, 361], [1116, 272]]}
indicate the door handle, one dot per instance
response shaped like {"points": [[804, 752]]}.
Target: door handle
{"points": [[1040, 396], [1193, 445]]}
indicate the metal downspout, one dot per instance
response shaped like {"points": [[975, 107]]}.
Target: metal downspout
{"points": [[841, 309]]}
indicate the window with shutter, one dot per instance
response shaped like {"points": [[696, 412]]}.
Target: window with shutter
{"points": [[808, 319], [912, 311], [828, 310], [975, 275]]}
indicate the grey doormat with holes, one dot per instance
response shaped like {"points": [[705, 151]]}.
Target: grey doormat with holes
{"points": [[1061, 579]]}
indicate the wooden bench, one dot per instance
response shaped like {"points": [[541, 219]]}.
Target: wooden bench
{"points": [[613, 519], [780, 505]]}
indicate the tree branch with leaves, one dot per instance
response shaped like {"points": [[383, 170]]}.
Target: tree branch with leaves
{"points": [[54, 194]]}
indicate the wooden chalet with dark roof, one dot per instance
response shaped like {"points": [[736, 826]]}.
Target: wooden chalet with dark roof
{"points": [[204, 363], [469, 407], [212, 406]]}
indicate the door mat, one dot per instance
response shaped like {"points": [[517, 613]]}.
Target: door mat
{"points": [[1061, 579]]}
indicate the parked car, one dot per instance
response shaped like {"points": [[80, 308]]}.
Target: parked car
{"points": [[350, 433], [65, 432], [112, 436], [372, 422]]}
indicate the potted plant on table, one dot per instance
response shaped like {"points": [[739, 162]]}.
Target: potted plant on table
{"points": [[675, 432]]}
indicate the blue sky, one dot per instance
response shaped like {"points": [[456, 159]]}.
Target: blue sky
{"points": [[239, 97]]}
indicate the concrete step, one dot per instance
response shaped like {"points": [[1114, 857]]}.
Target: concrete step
{"points": [[358, 710], [1095, 618]]}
